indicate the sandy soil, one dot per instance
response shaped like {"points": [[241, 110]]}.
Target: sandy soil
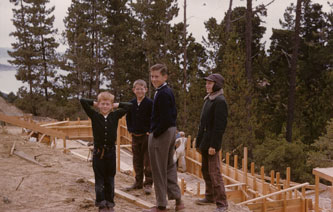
{"points": [[63, 186]]}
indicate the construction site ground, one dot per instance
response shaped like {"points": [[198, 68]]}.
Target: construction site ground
{"points": [[63, 185]]}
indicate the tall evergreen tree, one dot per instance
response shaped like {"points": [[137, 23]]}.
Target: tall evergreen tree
{"points": [[34, 51], [313, 77], [84, 59]]}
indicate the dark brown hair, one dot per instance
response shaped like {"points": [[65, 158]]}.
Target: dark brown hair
{"points": [[161, 68]]}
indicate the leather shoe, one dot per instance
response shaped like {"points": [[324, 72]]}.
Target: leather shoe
{"points": [[134, 187], [204, 201], [155, 209], [147, 189], [221, 209], [180, 207]]}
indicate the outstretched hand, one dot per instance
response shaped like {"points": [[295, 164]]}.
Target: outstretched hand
{"points": [[115, 105]]}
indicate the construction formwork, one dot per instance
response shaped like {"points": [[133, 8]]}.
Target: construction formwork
{"points": [[244, 187]]}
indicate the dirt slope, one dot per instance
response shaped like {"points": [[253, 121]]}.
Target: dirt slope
{"points": [[9, 109]]}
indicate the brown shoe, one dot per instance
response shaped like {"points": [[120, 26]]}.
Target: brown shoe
{"points": [[204, 201], [147, 189], [180, 207], [134, 187], [103, 209], [154, 209]]}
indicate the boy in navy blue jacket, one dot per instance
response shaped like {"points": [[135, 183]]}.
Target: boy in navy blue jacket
{"points": [[104, 126], [138, 124], [161, 142]]}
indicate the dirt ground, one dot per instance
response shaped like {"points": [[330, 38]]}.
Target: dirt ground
{"points": [[63, 186]]}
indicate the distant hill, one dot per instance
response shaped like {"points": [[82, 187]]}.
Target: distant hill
{"points": [[4, 57], [7, 68]]}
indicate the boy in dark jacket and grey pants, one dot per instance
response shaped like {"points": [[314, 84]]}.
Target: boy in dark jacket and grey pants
{"points": [[161, 142], [213, 121]]}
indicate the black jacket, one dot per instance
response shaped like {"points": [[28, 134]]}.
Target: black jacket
{"points": [[138, 118], [213, 122], [164, 112], [104, 129]]}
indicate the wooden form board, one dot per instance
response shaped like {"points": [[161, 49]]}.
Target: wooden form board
{"points": [[135, 200], [32, 126], [324, 173]]}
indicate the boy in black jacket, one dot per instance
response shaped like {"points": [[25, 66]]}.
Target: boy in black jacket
{"points": [[104, 126], [138, 124]]}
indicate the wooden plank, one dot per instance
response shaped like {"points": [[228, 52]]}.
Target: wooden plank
{"points": [[325, 173], [32, 126], [275, 193], [27, 158], [130, 198], [54, 123]]}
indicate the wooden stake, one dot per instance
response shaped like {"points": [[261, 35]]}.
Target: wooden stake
{"points": [[182, 186], [317, 193], [12, 149], [236, 166], [198, 189], [227, 162], [245, 165], [272, 177], [288, 181]]}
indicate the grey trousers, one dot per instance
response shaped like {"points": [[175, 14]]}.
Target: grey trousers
{"points": [[164, 169]]}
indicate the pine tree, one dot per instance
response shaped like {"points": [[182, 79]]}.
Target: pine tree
{"points": [[237, 89], [34, 51], [44, 42], [24, 53], [85, 57]]}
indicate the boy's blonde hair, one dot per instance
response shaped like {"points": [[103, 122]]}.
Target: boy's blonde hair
{"points": [[105, 96], [140, 82]]}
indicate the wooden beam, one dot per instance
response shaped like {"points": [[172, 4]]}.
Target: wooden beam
{"points": [[273, 194], [27, 158], [32, 126], [130, 198]]}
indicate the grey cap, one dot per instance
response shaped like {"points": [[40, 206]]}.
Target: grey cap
{"points": [[217, 78]]}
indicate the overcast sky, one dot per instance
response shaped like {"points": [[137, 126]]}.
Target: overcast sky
{"points": [[198, 11]]}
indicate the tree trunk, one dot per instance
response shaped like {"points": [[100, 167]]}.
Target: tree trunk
{"points": [[228, 19], [292, 76], [185, 63], [248, 40]]}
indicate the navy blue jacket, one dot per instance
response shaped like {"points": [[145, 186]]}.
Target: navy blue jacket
{"points": [[104, 129], [138, 118], [164, 111]]}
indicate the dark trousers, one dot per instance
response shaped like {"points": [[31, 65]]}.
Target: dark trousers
{"points": [[141, 161], [211, 172], [104, 170]]}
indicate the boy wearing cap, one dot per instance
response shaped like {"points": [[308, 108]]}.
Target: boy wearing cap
{"points": [[213, 122]]}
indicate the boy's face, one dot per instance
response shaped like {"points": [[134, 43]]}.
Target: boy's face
{"points": [[209, 86], [104, 106], [139, 91], [157, 79]]}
